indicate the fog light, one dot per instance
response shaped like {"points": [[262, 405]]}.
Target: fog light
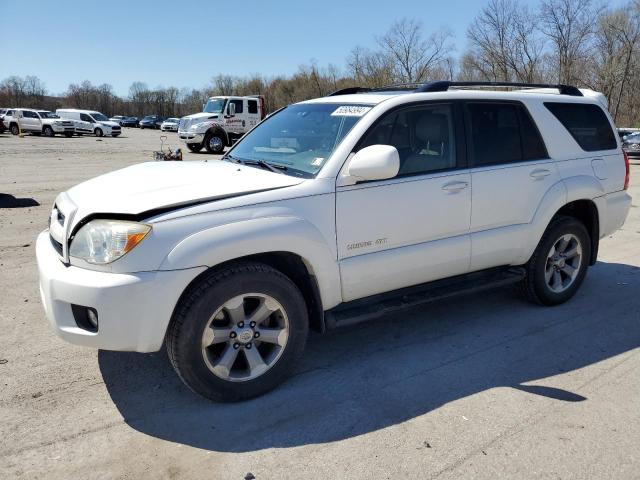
{"points": [[92, 316], [85, 317]]}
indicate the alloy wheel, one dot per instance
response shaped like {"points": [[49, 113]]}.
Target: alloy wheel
{"points": [[563, 263]]}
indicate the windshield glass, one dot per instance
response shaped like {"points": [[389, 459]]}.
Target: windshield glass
{"points": [[300, 137], [215, 105], [99, 117], [172, 120], [48, 115]]}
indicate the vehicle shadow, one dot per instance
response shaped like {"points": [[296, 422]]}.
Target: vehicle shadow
{"points": [[9, 201], [372, 376]]}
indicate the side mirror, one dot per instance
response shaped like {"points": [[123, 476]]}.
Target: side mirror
{"points": [[377, 162], [232, 109]]}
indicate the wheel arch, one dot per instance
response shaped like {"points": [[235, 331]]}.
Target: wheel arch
{"points": [[586, 211], [213, 129]]}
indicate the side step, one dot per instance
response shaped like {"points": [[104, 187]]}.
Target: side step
{"points": [[376, 306]]}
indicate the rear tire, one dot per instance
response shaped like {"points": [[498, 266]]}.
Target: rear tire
{"points": [[214, 339], [98, 132], [194, 147], [559, 264]]}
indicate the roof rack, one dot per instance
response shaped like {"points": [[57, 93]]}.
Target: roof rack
{"points": [[444, 85]]}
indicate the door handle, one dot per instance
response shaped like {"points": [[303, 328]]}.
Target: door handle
{"points": [[454, 187], [540, 173]]}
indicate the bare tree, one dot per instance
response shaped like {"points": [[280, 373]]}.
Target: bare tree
{"points": [[413, 56], [569, 25]]}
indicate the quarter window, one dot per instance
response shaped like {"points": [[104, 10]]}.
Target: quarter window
{"points": [[422, 135], [502, 133], [586, 123]]}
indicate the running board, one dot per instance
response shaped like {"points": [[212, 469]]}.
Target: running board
{"points": [[376, 306]]}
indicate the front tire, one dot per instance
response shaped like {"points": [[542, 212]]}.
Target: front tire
{"points": [[238, 333], [68, 134], [98, 132], [48, 131], [214, 143], [559, 264]]}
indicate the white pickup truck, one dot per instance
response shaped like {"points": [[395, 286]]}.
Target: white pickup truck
{"points": [[334, 211], [38, 122], [221, 123]]}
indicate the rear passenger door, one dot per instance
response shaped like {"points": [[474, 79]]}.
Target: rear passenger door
{"points": [[412, 228], [253, 117], [511, 172], [30, 121]]}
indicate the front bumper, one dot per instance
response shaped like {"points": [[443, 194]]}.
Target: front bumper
{"points": [[191, 137], [134, 309]]}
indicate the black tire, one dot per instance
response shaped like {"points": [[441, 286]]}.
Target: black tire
{"points": [[47, 131], [214, 142], [98, 132], [191, 317], [68, 134], [535, 286], [15, 130], [194, 147]]}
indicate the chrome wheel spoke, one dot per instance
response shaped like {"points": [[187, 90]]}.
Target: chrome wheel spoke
{"points": [[561, 246], [548, 273], [235, 309], [572, 252], [569, 270], [224, 365], [255, 361], [214, 336], [264, 311], [556, 282], [277, 336]]}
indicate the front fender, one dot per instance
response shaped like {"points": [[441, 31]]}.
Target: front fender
{"points": [[222, 243]]}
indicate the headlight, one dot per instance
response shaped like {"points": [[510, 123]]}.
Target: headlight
{"points": [[104, 241]]}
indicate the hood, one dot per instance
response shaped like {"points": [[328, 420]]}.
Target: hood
{"points": [[160, 185], [109, 123], [202, 116]]}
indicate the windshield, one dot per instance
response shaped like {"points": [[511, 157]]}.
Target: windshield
{"points": [[99, 117], [48, 115], [300, 137], [173, 120], [215, 105]]}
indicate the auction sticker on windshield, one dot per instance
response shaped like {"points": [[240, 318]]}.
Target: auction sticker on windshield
{"points": [[350, 111]]}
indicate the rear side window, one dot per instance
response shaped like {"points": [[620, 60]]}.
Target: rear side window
{"points": [[502, 133], [253, 106], [586, 123], [238, 104]]}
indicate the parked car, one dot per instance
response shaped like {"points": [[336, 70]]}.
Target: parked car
{"points": [[130, 122], [3, 112], [631, 145], [39, 122], [623, 132], [151, 121], [117, 119], [221, 123], [90, 122], [330, 212], [170, 125]]}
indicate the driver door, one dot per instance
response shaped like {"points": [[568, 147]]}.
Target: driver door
{"points": [[413, 228]]}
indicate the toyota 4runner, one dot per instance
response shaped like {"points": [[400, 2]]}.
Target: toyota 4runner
{"points": [[334, 211]]}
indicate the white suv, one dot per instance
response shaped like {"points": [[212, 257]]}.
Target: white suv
{"points": [[334, 211]]}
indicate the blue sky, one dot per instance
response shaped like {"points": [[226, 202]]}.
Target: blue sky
{"points": [[185, 43]]}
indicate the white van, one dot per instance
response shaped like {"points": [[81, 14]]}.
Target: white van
{"points": [[90, 122]]}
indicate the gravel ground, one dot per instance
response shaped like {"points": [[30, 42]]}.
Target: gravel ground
{"points": [[482, 386]]}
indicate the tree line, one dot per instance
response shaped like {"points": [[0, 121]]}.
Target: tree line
{"points": [[576, 42]]}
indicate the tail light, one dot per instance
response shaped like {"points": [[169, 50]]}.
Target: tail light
{"points": [[627, 171]]}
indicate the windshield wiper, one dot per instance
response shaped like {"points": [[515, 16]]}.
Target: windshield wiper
{"points": [[274, 167]]}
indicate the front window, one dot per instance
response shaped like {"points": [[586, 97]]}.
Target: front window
{"points": [[99, 117], [300, 137], [48, 115], [215, 105]]}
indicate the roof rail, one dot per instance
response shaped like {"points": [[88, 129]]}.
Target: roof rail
{"points": [[443, 86], [349, 91]]}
